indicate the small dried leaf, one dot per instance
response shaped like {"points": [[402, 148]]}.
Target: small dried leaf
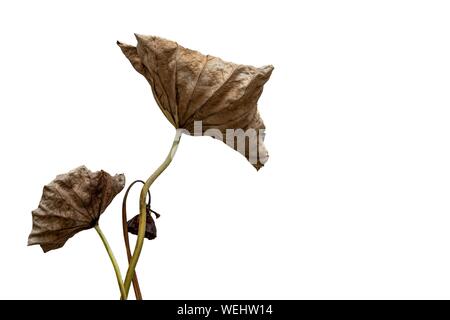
{"points": [[189, 87], [150, 228], [71, 203]]}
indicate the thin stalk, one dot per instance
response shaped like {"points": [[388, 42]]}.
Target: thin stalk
{"points": [[123, 294], [126, 238], [143, 213]]}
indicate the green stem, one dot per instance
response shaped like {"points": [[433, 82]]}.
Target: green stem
{"points": [[143, 215], [123, 294]]}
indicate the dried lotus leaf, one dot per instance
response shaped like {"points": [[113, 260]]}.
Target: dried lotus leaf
{"points": [[190, 87], [72, 202]]}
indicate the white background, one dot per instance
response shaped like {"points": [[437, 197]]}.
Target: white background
{"points": [[353, 202]]}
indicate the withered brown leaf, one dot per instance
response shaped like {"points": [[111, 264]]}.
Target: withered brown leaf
{"points": [[132, 225], [189, 87], [150, 227], [71, 203]]}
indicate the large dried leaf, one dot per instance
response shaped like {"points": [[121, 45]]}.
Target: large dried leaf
{"points": [[189, 87], [71, 203]]}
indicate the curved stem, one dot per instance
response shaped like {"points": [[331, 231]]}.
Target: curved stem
{"points": [[126, 238], [123, 294], [143, 213]]}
